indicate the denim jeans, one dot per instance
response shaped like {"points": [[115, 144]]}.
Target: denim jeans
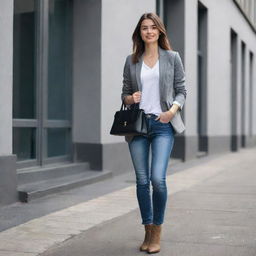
{"points": [[160, 139]]}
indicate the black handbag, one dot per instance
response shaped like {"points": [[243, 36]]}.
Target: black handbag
{"points": [[129, 121]]}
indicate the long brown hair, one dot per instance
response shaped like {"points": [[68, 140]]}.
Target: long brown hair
{"points": [[138, 43]]}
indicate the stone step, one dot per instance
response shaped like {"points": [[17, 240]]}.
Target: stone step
{"points": [[34, 190], [51, 171]]}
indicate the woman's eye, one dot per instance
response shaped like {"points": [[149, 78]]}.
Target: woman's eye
{"points": [[145, 28]]}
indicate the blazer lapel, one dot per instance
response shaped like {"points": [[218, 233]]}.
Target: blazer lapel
{"points": [[138, 71], [162, 67]]}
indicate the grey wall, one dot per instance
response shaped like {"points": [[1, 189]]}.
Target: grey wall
{"points": [[87, 71], [8, 176], [6, 50], [190, 63], [8, 180]]}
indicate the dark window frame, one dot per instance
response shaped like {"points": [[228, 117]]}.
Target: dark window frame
{"points": [[41, 123]]}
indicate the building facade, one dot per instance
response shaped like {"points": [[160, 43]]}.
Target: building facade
{"points": [[61, 80]]}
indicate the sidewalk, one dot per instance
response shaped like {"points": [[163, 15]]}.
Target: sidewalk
{"points": [[211, 210]]}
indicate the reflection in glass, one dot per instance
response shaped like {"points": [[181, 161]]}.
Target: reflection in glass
{"points": [[24, 143], [58, 141], [59, 62], [24, 90]]}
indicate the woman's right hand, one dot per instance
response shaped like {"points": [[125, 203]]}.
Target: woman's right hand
{"points": [[136, 97]]}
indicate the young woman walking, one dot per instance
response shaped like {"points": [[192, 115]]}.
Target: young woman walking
{"points": [[153, 77]]}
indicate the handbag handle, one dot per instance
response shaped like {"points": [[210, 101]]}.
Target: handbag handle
{"points": [[135, 106], [123, 106]]}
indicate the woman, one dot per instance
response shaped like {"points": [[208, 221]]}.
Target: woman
{"points": [[154, 78]]}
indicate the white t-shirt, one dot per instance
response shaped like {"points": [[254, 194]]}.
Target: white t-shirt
{"points": [[150, 97]]}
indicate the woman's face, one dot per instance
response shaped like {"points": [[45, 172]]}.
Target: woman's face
{"points": [[148, 31]]}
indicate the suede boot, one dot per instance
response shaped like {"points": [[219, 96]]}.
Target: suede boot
{"points": [[154, 244], [144, 246]]}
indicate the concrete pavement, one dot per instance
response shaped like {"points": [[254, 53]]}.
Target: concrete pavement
{"points": [[211, 210]]}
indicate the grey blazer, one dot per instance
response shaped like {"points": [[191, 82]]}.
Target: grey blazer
{"points": [[171, 82]]}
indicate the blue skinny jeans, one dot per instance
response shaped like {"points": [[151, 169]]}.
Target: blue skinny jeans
{"points": [[160, 139]]}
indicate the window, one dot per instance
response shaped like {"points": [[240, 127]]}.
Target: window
{"points": [[202, 78], [233, 89], [243, 52], [42, 90], [251, 56]]}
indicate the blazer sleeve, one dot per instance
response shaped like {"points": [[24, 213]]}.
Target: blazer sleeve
{"points": [[179, 81], [127, 84]]}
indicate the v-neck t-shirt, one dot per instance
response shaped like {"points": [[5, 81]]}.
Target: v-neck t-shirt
{"points": [[150, 96]]}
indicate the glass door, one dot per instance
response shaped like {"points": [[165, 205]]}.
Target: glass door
{"points": [[25, 122], [57, 124], [42, 81]]}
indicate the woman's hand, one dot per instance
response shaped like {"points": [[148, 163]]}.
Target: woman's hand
{"points": [[165, 117], [136, 97]]}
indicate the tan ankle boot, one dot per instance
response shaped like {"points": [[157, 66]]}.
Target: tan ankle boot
{"points": [[144, 246], [154, 244]]}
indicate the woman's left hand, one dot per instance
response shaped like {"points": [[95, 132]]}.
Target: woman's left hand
{"points": [[165, 117]]}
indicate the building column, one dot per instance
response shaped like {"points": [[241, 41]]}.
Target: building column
{"points": [[8, 176]]}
